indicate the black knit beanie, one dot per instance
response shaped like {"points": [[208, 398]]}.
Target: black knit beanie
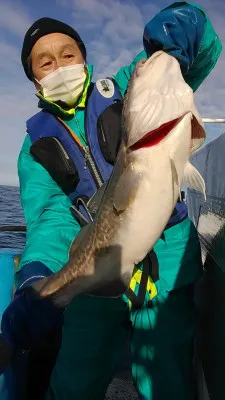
{"points": [[43, 27]]}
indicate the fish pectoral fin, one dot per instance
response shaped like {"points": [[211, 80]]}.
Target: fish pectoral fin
{"points": [[175, 178], [126, 189], [180, 196], [193, 179]]}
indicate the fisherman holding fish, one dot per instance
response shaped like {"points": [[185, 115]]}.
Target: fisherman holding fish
{"points": [[68, 154]]}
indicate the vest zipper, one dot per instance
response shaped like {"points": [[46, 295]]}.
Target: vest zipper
{"points": [[66, 157], [88, 156], [88, 159], [61, 147]]}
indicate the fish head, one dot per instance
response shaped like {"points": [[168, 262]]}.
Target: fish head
{"points": [[156, 99]]}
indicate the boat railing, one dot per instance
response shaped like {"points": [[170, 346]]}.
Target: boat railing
{"points": [[213, 120], [13, 228]]}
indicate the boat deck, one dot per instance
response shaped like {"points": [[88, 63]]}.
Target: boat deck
{"points": [[122, 387]]}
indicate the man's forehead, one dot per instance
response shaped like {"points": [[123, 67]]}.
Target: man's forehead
{"points": [[60, 40]]}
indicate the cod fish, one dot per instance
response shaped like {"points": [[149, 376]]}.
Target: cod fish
{"points": [[161, 129]]}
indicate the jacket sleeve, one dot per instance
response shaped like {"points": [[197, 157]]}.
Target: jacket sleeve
{"points": [[184, 31], [51, 227]]}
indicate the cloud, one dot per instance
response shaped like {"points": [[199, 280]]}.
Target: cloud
{"points": [[16, 105], [9, 63], [210, 96], [16, 102], [14, 18], [112, 31], [115, 28]]}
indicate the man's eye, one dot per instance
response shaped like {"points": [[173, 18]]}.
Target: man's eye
{"points": [[46, 64], [68, 55]]}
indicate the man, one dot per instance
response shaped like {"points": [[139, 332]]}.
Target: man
{"points": [[68, 153]]}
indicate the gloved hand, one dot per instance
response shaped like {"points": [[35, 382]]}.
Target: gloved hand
{"points": [[29, 322], [179, 30]]}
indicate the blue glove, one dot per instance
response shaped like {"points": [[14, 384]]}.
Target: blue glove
{"points": [[28, 320], [184, 31], [178, 31]]}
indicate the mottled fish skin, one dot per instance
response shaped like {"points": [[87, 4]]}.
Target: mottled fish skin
{"points": [[141, 193], [94, 251]]}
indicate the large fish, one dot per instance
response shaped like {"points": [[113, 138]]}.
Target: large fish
{"points": [[162, 127]]}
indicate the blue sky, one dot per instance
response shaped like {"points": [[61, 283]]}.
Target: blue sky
{"points": [[112, 31]]}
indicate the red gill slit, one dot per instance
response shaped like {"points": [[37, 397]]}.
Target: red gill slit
{"points": [[154, 137]]}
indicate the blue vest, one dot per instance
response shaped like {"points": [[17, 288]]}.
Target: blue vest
{"points": [[93, 169]]}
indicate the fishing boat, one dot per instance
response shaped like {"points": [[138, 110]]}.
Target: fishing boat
{"points": [[209, 218]]}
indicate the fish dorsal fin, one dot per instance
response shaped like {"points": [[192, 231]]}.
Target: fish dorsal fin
{"points": [[193, 179]]}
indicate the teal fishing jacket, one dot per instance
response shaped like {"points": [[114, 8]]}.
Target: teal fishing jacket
{"points": [[182, 30]]}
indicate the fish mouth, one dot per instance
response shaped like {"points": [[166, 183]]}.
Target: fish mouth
{"points": [[156, 135]]}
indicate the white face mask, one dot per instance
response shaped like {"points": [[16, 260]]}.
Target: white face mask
{"points": [[65, 84]]}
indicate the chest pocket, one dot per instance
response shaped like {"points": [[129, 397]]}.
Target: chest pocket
{"points": [[51, 154], [109, 129]]}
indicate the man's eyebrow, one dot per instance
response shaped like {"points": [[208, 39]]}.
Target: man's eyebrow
{"points": [[42, 55], [68, 47]]}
